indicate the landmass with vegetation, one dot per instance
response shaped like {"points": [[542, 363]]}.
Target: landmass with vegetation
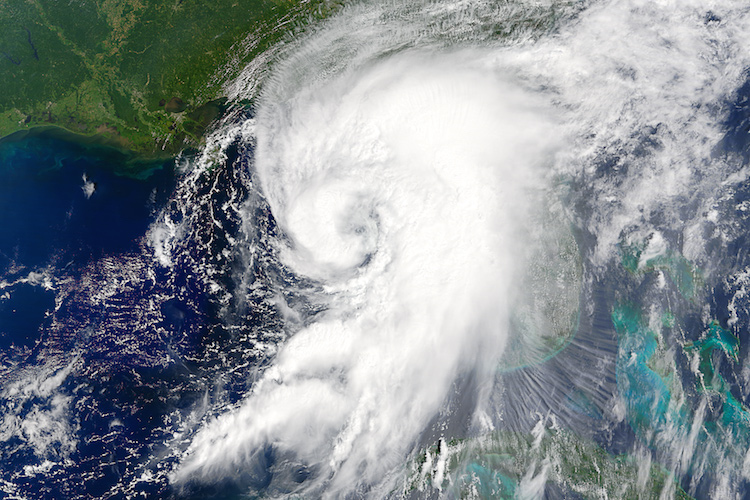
{"points": [[147, 76]]}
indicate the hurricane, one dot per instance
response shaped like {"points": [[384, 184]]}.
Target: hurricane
{"points": [[433, 249], [451, 183], [402, 194]]}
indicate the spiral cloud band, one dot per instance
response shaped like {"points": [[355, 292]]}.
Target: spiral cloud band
{"points": [[415, 158], [403, 188]]}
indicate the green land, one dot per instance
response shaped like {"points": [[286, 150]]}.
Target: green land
{"points": [[147, 76]]}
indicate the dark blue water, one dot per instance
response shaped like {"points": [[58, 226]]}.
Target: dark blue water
{"points": [[52, 229], [48, 221], [81, 288], [45, 214]]}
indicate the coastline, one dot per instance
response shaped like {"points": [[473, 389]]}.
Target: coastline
{"points": [[125, 162]]}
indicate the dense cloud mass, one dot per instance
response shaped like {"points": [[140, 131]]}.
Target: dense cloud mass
{"points": [[420, 161], [403, 190]]}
